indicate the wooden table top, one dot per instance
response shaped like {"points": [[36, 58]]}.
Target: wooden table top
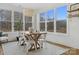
{"points": [[34, 33]]}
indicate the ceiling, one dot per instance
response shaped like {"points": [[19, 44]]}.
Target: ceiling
{"points": [[38, 5]]}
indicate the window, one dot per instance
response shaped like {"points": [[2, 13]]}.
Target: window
{"points": [[28, 22], [42, 22], [18, 21], [58, 17], [61, 19], [50, 21], [5, 20]]}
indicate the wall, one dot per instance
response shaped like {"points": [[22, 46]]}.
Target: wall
{"points": [[28, 12], [74, 31], [12, 36]]}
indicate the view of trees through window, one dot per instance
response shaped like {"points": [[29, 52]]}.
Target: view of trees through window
{"points": [[50, 21], [47, 19], [28, 22], [5, 20], [61, 19], [58, 15], [18, 21], [42, 22]]}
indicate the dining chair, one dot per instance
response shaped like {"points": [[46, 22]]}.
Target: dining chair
{"points": [[20, 39], [42, 40]]}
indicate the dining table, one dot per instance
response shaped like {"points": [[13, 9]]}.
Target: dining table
{"points": [[35, 36]]}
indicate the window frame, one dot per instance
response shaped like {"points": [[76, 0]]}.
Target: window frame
{"points": [[58, 33]]}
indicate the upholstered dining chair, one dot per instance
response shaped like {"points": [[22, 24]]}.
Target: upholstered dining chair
{"points": [[20, 39], [42, 40], [23, 41]]}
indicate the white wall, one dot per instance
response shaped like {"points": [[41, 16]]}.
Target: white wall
{"points": [[12, 36], [58, 38], [74, 31]]}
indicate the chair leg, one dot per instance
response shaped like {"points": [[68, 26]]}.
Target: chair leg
{"points": [[26, 48], [45, 43], [17, 42], [41, 44]]}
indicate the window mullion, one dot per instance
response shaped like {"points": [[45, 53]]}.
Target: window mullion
{"points": [[54, 21], [23, 21], [12, 21], [45, 23]]}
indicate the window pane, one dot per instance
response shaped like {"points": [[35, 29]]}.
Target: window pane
{"points": [[18, 21], [5, 20], [61, 13], [61, 19], [42, 22], [18, 26], [61, 26], [42, 26], [50, 20], [50, 26], [28, 22]]}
